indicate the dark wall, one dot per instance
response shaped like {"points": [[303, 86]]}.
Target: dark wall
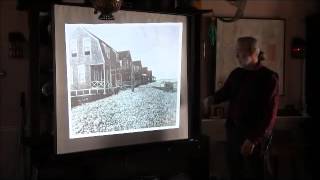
{"points": [[156, 4], [312, 88], [312, 62]]}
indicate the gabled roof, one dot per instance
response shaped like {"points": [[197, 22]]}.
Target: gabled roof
{"points": [[96, 37], [125, 55], [145, 69], [137, 63]]}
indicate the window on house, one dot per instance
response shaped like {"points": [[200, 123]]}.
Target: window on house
{"points": [[82, 73], [120, 62], [87, 46], [74, 48]]}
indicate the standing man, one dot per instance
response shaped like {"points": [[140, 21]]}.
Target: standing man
{"points": [[253, 95]]}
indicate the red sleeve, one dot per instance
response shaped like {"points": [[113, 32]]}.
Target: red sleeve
{"points": [[225, 92], [271, 101]]}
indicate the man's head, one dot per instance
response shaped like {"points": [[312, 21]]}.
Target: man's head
{"points": [[247, 51]]}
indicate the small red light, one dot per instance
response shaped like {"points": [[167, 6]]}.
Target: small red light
{"points": [[297, 49]]}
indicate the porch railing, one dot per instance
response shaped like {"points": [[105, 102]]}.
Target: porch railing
{"points": [[97, 84]]}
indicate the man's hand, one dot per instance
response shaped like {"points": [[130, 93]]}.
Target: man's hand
{"points": [[247, 148]]}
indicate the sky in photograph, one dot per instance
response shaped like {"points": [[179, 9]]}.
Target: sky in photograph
{"points": [[157, 45]]}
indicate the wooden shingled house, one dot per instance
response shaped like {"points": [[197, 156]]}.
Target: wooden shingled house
{"points": [[97, 70], [94, 66]]}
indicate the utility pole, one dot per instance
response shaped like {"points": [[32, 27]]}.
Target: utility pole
{"points": [[132, 78]]}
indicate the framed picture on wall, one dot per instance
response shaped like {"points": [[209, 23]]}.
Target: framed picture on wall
{"points": [[271, 40]]}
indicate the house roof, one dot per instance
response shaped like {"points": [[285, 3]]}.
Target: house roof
{"points": [[145, 69], [125, 55], [100, 40], [137, 63]]}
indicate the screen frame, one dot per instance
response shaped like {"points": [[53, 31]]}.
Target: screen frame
{"points": [[189, 101]]}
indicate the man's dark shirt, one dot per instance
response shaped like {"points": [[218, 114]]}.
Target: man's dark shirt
{"points": [[253, 97]]}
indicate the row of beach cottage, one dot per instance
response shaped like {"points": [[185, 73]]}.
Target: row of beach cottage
{"points": [[97, 70]]}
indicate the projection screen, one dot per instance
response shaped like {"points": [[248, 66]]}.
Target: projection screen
{"points": [[120, 82]]}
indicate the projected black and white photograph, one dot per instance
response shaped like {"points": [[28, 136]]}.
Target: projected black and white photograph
{"points": [[123, 78]]}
